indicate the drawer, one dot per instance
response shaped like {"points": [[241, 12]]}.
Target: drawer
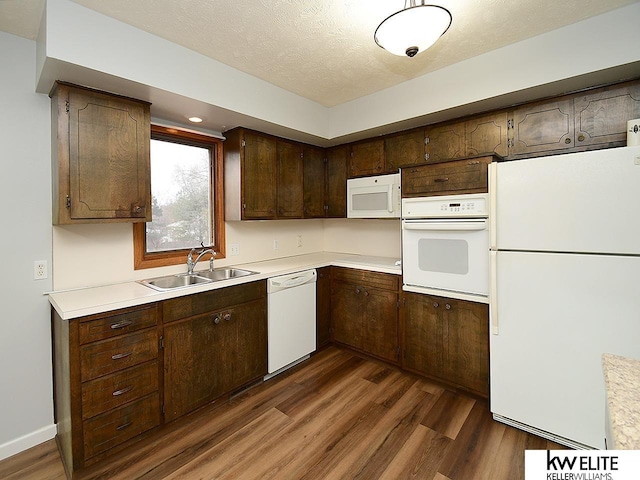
{"points": [[108, 356], [125, 322], [210, 301], [110, 429], [114, 390], [449, 178], [365, 278]]}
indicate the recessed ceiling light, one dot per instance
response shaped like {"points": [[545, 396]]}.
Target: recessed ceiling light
{"points": [[195, 119]]}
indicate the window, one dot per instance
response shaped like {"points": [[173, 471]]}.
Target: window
{"points": [[186, 199]]}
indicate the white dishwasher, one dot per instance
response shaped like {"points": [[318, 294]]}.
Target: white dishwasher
{"points": [[291, 319]]}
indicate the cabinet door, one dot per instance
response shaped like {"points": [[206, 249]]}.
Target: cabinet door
{"points": [[108, 152], [423, 350], [447, 178], [289, 174], [314, 182], [444, 142], [487, 134], [323, 307], [367, 158], [467, 344], [243, 349], [192, 364], [602, 114], [258, 177], [404, 150], [543, 127], [346, 314], [380, 318], [337, 161]]}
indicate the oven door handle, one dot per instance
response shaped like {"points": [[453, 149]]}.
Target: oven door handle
{"points": [[468, 225]]}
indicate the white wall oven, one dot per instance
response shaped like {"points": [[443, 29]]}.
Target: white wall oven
{"points": [[445, 246]]}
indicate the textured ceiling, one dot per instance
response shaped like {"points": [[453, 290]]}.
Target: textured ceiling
{"points": [[323, 50]]}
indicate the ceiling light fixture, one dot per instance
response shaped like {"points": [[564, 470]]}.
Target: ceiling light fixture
{"points": [[413, 29], [195, 119]]}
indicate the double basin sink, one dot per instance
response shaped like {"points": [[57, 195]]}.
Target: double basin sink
{"points": [[171, 282]]}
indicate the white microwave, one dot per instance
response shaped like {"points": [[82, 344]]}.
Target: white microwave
{"points": [[374, 197]]}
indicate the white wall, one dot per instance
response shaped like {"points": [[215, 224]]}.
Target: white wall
{"points": [[26, 408], [364, 236], [86, 255]]}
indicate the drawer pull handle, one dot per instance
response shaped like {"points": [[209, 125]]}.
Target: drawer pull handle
{"points": [[122, 391], [440, 180], [118, 356], [124, 425], [124, 323]]}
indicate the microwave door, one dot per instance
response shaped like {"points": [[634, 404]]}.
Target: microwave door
{"points": [[371, 201]]}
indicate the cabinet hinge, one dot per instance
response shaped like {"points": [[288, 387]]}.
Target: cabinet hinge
{"points": [[326, 208], [244, 143], [162, 408], [301, 154], [510, 123], [426, 140], [426, 156], [244, 206], [510, 142], [161, 342], [67, 106], [325, 160], [68, 202]]}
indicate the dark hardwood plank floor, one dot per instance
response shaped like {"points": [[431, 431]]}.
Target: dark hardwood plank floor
{"points": [[336, 416]]}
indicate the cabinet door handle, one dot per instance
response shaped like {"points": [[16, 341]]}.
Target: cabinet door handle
{"points": [[122, 391], [567, 141], [435, 305], [118, 356], [227, 316], [357, 291], [366, 294], [447, 306], [216, 319], [122, 324], [440, 180], [124, 425], [581, 138]]}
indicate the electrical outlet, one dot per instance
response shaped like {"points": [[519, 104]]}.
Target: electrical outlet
{"points": [[275, 244], [299, 240], [234, 249], [40, 270]]}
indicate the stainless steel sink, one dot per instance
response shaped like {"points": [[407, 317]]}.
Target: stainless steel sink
{"points": [[218, 274], [171, 282]]}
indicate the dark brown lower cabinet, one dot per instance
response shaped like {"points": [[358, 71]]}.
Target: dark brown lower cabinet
{"points": [[364, 311], [323, 307], [448, 340], [212, 354]]}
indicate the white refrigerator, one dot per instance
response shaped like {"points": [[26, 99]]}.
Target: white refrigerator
{"points": [[565, 288]]}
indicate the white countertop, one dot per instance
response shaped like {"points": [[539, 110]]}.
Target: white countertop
{"points": [[622, 382], [91, 300]]}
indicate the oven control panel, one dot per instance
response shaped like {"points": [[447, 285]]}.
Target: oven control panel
{"points": [[471, 205]]}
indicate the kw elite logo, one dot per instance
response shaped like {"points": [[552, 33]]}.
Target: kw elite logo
{"points": [[582, 464], [582, 467]]}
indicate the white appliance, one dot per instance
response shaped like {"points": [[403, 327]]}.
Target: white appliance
{"points": [[445, 244], [374, 197], [565, 273], [291, 317]]}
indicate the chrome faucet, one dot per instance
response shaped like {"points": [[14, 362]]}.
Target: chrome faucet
{"points": [[191, 263]]}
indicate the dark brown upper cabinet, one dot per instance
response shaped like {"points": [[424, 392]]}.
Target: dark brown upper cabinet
{"points": [[101, 163], [367, 158], [290, 179], [404, 149], [249, 175]]}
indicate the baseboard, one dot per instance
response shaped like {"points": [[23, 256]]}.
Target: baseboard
{"points": [[27, 441]]}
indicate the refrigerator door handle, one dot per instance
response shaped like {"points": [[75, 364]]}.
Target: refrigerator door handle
{"points": [[493, 204], [493, 292]]}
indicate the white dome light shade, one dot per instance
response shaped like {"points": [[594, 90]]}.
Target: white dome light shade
{"points": [[413, 29]]}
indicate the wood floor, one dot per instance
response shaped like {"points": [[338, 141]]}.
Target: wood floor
{"points": [[337, 416]]}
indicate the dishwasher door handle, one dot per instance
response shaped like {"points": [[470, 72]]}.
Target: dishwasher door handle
{"points": [[294, 280]]}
